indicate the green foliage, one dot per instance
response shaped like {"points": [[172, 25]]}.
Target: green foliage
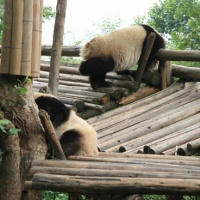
{"points": [[49, 195], [48, 13], [19, 87], [179, 20], [4, 128]]}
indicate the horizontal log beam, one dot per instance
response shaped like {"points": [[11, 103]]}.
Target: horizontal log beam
{"points": [[180, 55], [186, 73], [66, 50]]}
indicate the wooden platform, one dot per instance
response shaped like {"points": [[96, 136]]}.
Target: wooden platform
{"points": [[166, 122], [118, 174]]}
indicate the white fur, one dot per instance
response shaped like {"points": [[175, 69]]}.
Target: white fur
{"points": [[124, 45], [89, 140], [89, 135]]}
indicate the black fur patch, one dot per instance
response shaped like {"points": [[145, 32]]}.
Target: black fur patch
{"points": [[158, 44], [96, 68], [57, 111], [70, 142]]}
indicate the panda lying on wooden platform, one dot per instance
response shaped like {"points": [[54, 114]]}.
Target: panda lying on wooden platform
{"points": [[117, 51], [76, 136]]}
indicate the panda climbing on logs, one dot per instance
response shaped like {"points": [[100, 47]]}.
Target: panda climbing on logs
{"points": [[117, 51], [76, 136]]}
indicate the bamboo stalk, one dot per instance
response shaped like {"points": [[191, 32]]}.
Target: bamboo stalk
{"points": [[16, 41], [27, 38], [6, 38], [36, 41]]}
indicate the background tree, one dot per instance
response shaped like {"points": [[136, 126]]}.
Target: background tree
{"points": [[179, 21]]}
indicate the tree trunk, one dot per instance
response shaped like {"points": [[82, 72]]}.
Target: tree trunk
{"points": [[20, 149], [57, 46]]}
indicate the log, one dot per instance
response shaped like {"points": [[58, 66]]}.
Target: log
{"points": [[143, 61], [96, 107], [141, 93], [144, 108], [108, 173], [111, 185], [154, 98], [76, 97], [49, 129], [142, 128], [194, 144], [66, 50], [114, 93], [166, 74], [186, 73], [181, 55], [132, 86], [151, 78], [169, 132], [80, 105]]}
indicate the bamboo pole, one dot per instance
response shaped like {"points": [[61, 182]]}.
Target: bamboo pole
{"points": [[27, 38], [6, 38], [36, 41], [16, 41]]}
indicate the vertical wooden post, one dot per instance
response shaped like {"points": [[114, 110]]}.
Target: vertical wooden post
{"points": [[165, 69], [16, 42], [6, 40], [36, 42], [57, 46], [145, 56], [27, 37]]}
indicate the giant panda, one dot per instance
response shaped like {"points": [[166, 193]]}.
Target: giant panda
{"points": [[116, 51], [76, 136]]}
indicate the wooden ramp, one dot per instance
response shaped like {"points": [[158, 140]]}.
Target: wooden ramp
{"points": [[166, 122], [118, 174]]}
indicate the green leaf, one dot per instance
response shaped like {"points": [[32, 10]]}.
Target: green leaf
{"points": [[14, 131], [4, 122]]}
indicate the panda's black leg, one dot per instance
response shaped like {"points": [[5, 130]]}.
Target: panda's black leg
{"points": [[99, 81]]}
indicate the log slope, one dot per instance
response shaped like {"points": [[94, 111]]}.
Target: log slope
{"points": [[166, 122]]}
